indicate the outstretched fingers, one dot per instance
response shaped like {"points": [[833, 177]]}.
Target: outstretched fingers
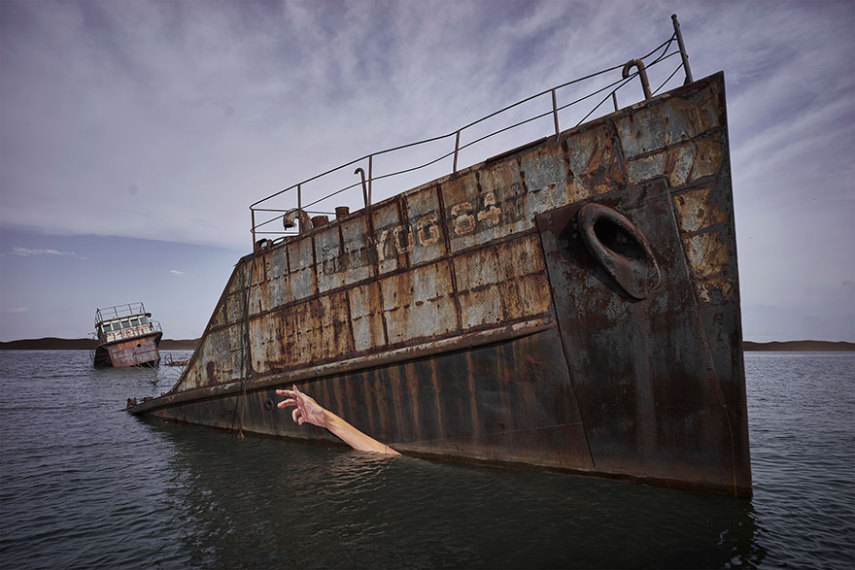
{"points": [[296, 399], [305, 408], [301, 407]]}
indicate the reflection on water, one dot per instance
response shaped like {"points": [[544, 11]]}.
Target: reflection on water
{"points": [[86, 485], [291, 505]]}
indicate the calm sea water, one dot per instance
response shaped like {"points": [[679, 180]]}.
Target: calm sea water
{"points": [[85, 485]]}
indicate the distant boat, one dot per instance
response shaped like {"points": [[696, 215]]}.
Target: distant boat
{"points": [[126, 337]]}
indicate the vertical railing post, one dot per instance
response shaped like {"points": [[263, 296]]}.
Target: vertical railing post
{"points": [[300, 215], [682, 47], [456, 151], [370, 176], [555, 112], [252, 212]]}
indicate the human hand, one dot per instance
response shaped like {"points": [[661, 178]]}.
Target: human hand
{"points": [[306, 409]]}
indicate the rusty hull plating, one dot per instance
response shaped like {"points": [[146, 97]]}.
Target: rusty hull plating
{"points": [[572, 305]]}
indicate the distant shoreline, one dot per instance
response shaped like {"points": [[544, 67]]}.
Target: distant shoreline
{"points": [[798, 346], [52, 343]]}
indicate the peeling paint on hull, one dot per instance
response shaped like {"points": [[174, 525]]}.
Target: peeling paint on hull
{"points": [[137, 351], [571, 305]]}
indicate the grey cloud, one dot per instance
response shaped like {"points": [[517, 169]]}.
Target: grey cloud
{"points": [[205, 107], [26, 252], [16, 311]]}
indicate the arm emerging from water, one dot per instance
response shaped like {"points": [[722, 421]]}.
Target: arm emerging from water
{"points": [[306, 409]]}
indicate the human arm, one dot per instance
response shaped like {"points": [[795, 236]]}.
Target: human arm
{"points": [[306, 409]]}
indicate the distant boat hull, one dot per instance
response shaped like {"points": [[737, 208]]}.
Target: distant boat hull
{"points": [[137, 351]]}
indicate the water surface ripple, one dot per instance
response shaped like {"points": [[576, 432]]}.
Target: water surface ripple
{"points": [[85, 485]]}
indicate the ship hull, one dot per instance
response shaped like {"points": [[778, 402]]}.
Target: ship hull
{"points": [[506, 403], [570, 305], [137, 351]]}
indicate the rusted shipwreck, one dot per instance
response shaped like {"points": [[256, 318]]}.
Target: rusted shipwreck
{"points": [[570, 305], [126, 337]]}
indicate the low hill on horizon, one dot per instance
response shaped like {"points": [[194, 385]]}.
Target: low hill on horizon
{"points": [[799, 346], [53, 343]]}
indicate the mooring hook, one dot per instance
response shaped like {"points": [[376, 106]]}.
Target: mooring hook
{"points": [[361, 172], [620, 248], [641, 72]]}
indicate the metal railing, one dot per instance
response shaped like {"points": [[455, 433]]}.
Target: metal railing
{"points": [[298, 212], [119, 311]]}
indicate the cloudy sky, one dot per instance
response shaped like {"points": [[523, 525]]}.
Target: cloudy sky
{"points": [[135, 134]]}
